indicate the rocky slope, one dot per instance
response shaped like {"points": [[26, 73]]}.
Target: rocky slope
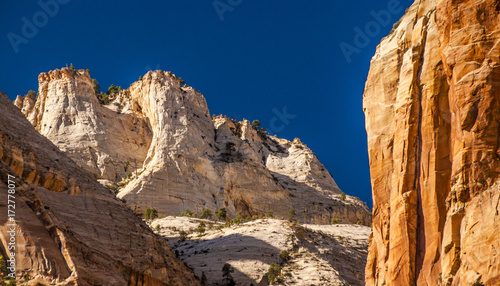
{"points": [[319, 254], [159, 142], [70, 229], [432, 106]]}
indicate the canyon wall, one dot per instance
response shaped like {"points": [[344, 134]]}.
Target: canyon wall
{"points": [[158, 144], [433, 116], [70, 229]]}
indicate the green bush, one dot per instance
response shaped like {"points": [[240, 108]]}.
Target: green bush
{"points": [[181, 81], [335, 220], [358, 222], [97, 87], [151, 213], [206, 214], [269, 214], [187, 213], [31, 93], [291, 214], [284, 256], [201, 228], [226, 274], [113, 89], [221, 214], [274, 272], [343, 196], [256, 124]]}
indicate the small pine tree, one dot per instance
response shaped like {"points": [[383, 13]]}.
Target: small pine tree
{"points": [[140, 77], [72, 67], [221, 214], [256, 124], [201, 228], [274, 272], [335, 220], [206, 214], [203, 279], [343, 196], [97, 87], [269, 214], [284, 256], [291, 214], [226, 274], [181, 81]]}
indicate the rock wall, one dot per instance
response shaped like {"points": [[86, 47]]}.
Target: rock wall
{"points": [[158, 142], [432, 117], [70, 229]]}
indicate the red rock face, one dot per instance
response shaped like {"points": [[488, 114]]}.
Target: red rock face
{"points": [[432, 117]]}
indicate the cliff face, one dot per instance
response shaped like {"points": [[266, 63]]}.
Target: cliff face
{"points": [[70, 229], [159, 142], [432, 106]]}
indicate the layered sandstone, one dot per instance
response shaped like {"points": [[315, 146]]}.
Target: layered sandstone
{"points": [[432, 106], [70, 229], [157, 140]]}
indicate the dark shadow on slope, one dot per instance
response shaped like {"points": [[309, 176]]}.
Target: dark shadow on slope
{"points": [[346, 260], [210, 255]]}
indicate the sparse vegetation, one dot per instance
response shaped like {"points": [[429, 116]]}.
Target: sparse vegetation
{"points": [[335, 220], [31, 93], [203, 279], [256, 124], [221, 214], [226, 274], [140, 77], [269, 214], [206, 214], [150, 213], [113, 89], [343, 196], [187, 213], [181, 81], [284, 256], [291, 215], [72, 67], [358, 222], [97, 87], [274, 272], [201, 228]]}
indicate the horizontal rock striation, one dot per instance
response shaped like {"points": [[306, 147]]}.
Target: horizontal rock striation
{"points": [[70, 229]]}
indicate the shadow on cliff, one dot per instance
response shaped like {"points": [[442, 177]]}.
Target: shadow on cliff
{"points": [[211, 254], [344, 259], [321, 206]]}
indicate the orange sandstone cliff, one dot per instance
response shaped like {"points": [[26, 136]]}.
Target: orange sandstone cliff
{"points": [[432, 106]]}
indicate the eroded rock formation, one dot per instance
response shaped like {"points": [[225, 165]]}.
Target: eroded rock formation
{"points": [[70, 229], [159, 142], [432, 106]]}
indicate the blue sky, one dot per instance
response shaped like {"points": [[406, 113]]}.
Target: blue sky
{"points": [[251, 59]]}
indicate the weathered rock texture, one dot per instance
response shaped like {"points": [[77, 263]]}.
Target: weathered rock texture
{"points": [[70, 229], [159, 142], [327, 255], [433, 116]]}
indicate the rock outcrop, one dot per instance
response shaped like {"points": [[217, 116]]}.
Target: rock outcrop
{"points": [[432, 106], [158, 142], [326, 255], [70, 229]]}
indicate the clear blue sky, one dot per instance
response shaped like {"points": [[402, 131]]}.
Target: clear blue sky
{"points": [[247, 57]]}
